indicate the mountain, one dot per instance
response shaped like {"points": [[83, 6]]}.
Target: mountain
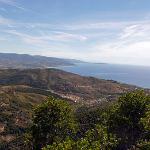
{"points": [[12, 60]]}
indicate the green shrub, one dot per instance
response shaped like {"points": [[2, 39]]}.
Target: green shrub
{"points": [[52, 121]]}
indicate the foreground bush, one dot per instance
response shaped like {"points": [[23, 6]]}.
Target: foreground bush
{"points": [[125, 118], [53, 121], [121, 126], [95, 139]]}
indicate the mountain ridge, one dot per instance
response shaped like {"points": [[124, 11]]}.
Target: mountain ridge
{"points": [[25, 61]]}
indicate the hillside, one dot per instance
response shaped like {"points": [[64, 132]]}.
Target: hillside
{"points": [[13, 61], [72, 86], [15, 113], [16, 105]]}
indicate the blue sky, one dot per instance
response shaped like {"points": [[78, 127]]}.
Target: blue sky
{"points": [[112, 31]]}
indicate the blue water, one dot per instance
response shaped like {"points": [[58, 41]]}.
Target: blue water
{"points": [[136, 75]]}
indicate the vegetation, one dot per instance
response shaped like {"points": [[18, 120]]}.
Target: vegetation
{"points": [[94, 139], [53, 121], [15, 115], [121, 126], [125, 118]]}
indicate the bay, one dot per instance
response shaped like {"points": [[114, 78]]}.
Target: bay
{"points": [[135, 75]]}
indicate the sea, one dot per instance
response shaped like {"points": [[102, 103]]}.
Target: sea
{"points": [[135, 75]]}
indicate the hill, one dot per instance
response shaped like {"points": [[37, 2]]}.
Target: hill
{"points": [[68, 85], [13, 61], [15, 113]]}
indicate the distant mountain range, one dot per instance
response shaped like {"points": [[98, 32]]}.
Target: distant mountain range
{"points": [[24, 61]]}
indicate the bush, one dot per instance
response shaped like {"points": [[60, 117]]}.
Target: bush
{"points": [[52, 121], [122, 126], [96, 139], [125, 118]]}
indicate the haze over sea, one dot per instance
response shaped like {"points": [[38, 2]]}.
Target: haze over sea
{"points": [[136, 75]]}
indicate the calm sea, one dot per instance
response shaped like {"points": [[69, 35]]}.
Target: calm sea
{"points": [[136, 75]]}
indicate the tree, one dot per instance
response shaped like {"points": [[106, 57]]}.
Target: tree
{"points": [[95, 139], [52, 121], [123, 125], [125, 116], [144, 143]]}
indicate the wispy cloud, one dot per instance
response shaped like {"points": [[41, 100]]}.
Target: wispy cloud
{"points": [[5, 21], [43, 39], [129, 41], [80, 26], [138, 30], [12, 3], [130, 46], [15, 4], [3, 9], [63, 36]]}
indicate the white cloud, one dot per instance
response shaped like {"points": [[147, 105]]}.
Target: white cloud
{"points": [[138, 30], [113, 25], [132, 46], [133, 53], [129, 31], [44, 39], [62, 36], [129, 44], [96, 25]]}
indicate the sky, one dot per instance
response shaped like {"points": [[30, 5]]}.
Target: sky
{"points": [[110, 31]]}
